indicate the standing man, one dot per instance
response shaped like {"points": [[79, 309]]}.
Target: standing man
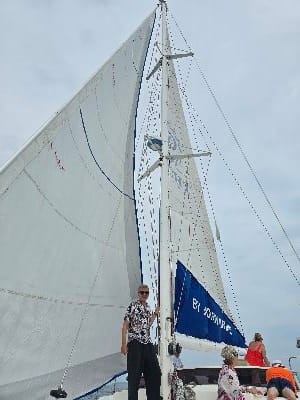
{"points": [[141, 357]]}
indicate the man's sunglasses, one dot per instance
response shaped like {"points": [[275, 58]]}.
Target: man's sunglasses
{"points": [[143, 292]]}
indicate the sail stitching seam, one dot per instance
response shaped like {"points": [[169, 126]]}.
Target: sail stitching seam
{"points": [[85, 311], [59, 213], [56, 300]]}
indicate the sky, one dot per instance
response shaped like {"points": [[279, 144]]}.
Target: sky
{"points": [[250, 54]]}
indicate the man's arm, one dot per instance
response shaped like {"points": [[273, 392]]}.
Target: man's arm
{"points": [[154, 315], [124, 337]]}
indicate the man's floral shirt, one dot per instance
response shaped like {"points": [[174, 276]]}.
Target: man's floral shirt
{"points": [[138, 317]]}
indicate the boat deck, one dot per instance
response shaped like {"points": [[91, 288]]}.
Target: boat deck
{"points": [[204, 380]]}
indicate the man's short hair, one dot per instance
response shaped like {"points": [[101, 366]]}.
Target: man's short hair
{"points": [[142, 286]]}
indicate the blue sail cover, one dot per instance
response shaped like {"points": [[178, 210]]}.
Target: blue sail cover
{"points": [[198, 315]]}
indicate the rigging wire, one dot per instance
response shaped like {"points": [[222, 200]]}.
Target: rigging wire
{"points": [[205, 173], [259, 218], [193, 123], [211, 91], [227, 271], [85, 310]]}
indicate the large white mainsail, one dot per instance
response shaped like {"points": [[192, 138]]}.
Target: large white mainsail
{"points": [[68, 237], [201, 309]]}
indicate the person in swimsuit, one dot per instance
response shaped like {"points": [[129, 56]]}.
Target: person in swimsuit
{"points": [[256, 353]]}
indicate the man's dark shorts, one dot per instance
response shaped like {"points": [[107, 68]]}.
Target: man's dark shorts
{"points": [[280, 384]]}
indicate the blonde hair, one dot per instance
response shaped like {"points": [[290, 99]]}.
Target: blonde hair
{"points": [[229, 354], [257, 337]]}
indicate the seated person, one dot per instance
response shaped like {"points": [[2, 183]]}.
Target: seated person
{"points": [[228, 383], [256, 353]]}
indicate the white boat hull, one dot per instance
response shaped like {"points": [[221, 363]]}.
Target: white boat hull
{"points": [[203, 392]]}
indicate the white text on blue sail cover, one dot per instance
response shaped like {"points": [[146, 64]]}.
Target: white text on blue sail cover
{"points": [[211, 315]]}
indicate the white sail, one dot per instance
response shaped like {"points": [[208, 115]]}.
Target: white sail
{"points": [[192, 242], [68, 237], [192, 238]]}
